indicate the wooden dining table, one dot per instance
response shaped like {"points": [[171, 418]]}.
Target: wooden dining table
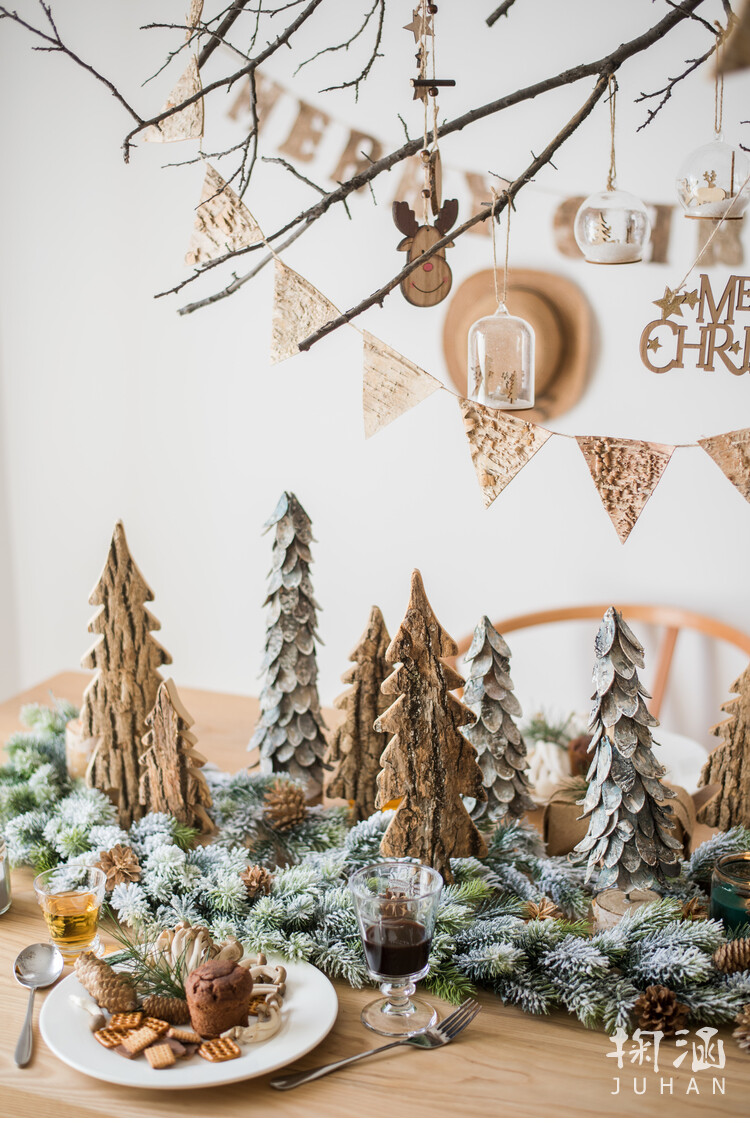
{"points": [[506, 1063]]}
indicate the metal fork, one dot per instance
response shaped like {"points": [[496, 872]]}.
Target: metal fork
{"points": [[441, 1034]]}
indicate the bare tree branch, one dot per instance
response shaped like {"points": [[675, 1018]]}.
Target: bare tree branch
{"points": [[501, 11]]}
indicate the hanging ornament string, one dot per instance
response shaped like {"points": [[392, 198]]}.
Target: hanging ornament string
{"points": [[493, 222], [612, 176], [719, 84], [507, 246]]}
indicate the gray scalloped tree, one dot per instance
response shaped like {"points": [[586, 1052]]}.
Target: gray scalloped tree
{"points": [[501, 750], [290, 731], [628, 835]]}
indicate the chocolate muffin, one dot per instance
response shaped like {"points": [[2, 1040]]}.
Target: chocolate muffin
{"points": [[218, 995]]}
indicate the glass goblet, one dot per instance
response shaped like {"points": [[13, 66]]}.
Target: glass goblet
{"points": [[71, 898], [396, 905]]}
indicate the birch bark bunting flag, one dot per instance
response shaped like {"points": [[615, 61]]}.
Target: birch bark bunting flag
{"points": [[500, 445], [731, 453], [625, 473], [391, 384], [298, 310], [223, 224], [171, 777], [188, 123]]}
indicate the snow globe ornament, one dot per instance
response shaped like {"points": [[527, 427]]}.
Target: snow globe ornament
{"points": [[713, 181], [611, 228], [501, 361]]}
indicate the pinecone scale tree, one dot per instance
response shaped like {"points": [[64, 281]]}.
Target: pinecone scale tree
{"points": [[729, 763]]}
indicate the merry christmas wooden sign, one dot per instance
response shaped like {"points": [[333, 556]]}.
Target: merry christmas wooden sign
{"points": [[718, 338]]}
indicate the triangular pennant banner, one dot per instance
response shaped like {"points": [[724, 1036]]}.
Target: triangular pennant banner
{"points": [[731, 452], [222, 222], [500, 445], [298, 310], [188, 123], [193, 17], [391, 384], [625, 473]]}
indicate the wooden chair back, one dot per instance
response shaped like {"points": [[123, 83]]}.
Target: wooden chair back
{"points": [[673, 620]]}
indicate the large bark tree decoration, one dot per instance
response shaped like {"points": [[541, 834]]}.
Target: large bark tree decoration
{"points": [[171, 780], [729, 763], [291, 729], [628, 835], [123, 691], [356, 746], [428, 764], [501, 750]]}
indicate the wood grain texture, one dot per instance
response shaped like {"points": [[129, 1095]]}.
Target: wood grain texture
{"points": [[298, 310], [729, 763], [188, 123], [171, 779], [391, 384], [122, 693], [428, 764], [625, 474], [500, 445], [356, 746], [223, 224], [731, 453], [508, 1064]]}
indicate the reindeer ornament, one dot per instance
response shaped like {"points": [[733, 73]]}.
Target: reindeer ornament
{"points": [[431, 282]]}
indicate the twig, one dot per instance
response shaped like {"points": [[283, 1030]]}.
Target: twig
{"points": [[290, 168], [666, 92], [218, 37], [501, 11]]}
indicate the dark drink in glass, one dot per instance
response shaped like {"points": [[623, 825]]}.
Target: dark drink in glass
{"points": [[396, 948]]}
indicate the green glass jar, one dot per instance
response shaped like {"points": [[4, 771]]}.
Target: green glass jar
{"points": [[730, 891]]}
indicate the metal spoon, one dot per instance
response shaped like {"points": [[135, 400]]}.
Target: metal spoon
{"points": [[38, 965]]}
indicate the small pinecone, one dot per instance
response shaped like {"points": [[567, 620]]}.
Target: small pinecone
{"points": [[733, 956], [257, 881], [172, 1010], [658, 1009], [542, 910], [113, 990], [284, 805], [120, 865], [742, 1032], [694, 909]]}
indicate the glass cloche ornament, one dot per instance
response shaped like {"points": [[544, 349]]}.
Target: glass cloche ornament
{"points": [[501, 361], [611, 228], [712, 182]]}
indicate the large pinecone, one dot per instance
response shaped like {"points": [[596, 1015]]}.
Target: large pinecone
{"points": [[257, 881], [113, 990], [120, 865], [284, 805], [742, 1032], [733, 956], [172, 1010], [658, 1009]]}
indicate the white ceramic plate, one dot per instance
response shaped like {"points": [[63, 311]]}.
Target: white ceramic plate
{"points": [[309, 1011]]}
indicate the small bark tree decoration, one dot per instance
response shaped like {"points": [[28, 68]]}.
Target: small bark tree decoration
{"points": [[356, 746], [119, 698], [729, 763], [171, 780], [629, 832], [428, 763], [501, 751], [291, 730]]}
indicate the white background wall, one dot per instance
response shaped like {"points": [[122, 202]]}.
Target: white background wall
{"points": [[114, 406]]}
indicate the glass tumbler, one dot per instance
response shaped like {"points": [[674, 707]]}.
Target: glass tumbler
{"points": [[396, 905], [71, 898]]}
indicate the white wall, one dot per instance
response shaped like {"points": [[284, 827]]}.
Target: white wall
{"points": [[113, 406]]}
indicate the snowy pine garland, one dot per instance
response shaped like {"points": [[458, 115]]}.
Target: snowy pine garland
{"points": [[481, 938]]}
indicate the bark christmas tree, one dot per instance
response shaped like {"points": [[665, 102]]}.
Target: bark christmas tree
{"points": [[356, 746], [122, 693], [729, 763], [428, 764], [501, 751], [629, 831], [290, 731], [171, 779]]}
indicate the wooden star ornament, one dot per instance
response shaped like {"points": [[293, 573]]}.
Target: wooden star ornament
{"points": [[653, 344], [690, 298], [670, 303], [419, 26]]}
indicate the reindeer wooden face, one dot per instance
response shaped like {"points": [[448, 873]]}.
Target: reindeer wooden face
{"points": [[431, 282]]}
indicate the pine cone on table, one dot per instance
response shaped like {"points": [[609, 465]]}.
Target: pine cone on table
{"points": [[658, 1009], [542, 910], [168, 1009], [119, 865], [284, 805], [111, 989], [742, 1032], [733, 956], [257, 881]]}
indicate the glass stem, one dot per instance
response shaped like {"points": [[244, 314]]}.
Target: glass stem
{"points": [[397, 997]]}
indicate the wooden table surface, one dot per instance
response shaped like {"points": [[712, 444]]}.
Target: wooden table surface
{"points": [[506, 1064]]}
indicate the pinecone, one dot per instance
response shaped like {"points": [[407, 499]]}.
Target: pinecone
{"points": [[658, 1009], [284, 805], [733, 956], [694, 909], [542, 910], [172, 1010], [120, 865], [742, 1032], [113, 990], [257, 881]]}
